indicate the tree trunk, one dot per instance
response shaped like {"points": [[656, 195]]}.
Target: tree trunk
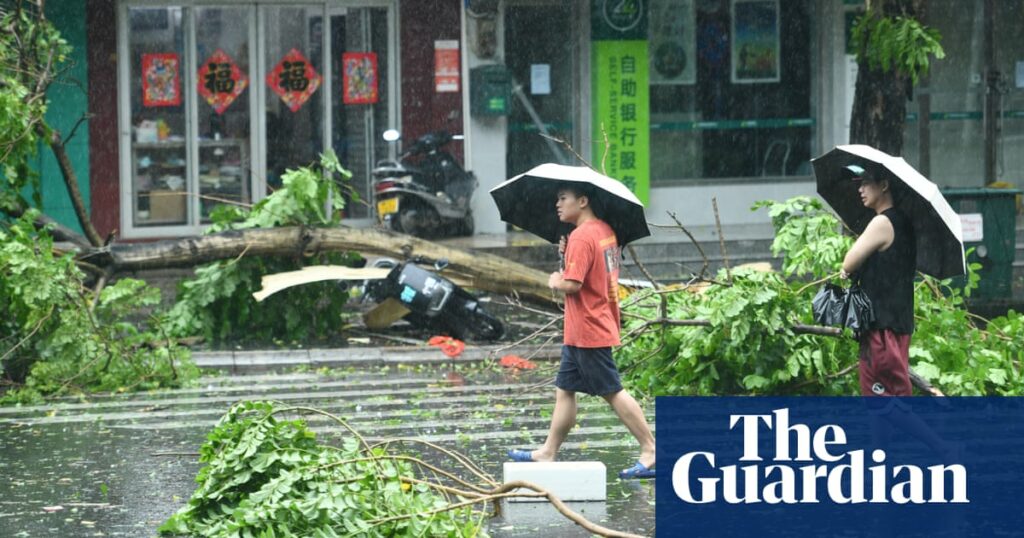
{"points": [[880, 97], [478, 270]]}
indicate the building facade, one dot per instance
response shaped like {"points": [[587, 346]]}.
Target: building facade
{"points": [[194, 102]]}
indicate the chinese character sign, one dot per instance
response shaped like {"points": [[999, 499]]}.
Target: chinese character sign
{"points": [[161, 83], [294, 80], [221, 81], [359, 78], [446, 66], [621, 94]]}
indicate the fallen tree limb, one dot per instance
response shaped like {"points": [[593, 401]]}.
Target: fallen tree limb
{"points": [[477, 270], [57, 230], [71, 183]]}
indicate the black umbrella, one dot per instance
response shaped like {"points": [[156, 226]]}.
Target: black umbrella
{"points": [[528, 201], [940, 246]]}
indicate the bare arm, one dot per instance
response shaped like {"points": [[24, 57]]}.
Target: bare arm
{"points": [[877, 236], [556, 282]]}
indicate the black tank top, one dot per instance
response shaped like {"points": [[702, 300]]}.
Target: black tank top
{"points": [[888, 277]]}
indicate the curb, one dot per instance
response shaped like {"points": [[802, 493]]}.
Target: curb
{"points": [[237, 362]]}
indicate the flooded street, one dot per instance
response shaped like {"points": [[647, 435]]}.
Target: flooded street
{"points": [[119, 466]]}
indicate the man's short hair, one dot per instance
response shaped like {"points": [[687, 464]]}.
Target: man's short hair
{"points": [[585, 189]]}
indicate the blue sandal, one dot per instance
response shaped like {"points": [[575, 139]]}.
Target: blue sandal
{"points": [[515, 454], [637, 471]]}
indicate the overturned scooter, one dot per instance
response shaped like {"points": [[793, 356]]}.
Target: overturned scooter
{"points": [[427, 300]]}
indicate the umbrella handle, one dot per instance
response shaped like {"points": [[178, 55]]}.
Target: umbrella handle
{"points": [[562, 242]]}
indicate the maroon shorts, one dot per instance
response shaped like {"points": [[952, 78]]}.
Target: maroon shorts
{"points": [[884, 364]]}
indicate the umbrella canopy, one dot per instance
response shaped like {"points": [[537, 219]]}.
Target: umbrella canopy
{"points": [[940, 247], [528, 201]]}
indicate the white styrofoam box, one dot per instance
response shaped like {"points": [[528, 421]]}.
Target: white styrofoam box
{"points": [[567, 480], [540, 515]]}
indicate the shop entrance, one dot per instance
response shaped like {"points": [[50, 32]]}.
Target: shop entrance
{"points": [[540, 55], [361, 95]]}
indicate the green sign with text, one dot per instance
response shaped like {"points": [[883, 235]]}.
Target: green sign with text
{"points": [[621, 113]]}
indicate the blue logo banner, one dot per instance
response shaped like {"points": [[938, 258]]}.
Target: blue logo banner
{"points": [[875, 467]]}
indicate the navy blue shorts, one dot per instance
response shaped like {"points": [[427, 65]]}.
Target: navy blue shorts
{"points": [[588, 370]]}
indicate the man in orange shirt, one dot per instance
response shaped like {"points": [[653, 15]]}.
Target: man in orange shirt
{"points": [[590, 282]]}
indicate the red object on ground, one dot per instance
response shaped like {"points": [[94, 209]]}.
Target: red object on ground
{"points": [[449, 346], [515, 361]]}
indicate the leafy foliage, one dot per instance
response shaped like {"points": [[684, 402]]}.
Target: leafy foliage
{"points": [[31, 50], [218, 303], [750, 348], [269, 477], [900, 43], [57, 336]]}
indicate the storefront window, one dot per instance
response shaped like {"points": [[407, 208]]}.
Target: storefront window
{"points": [[222, 40], [159, 194], [733, 98], [294, 124], [952, 99], [223, 99]]}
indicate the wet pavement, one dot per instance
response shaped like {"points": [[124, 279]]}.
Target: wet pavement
{"points": [[120, 465]]}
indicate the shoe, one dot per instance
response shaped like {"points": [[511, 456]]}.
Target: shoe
{"points": [[637, 471], [515, 454]]}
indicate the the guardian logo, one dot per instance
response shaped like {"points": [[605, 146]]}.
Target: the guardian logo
{"points": [[811, 471]]}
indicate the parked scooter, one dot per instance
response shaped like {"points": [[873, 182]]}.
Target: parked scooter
{"points": [[427, 199], [433, 302]]}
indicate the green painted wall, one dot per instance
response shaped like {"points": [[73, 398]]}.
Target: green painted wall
{"points": [[67, 103]]}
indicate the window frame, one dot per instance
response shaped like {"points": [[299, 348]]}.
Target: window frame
{"points": [[257, 87]]}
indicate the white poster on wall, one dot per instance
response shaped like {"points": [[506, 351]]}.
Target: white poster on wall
{"points": [[540, 79], [672, 42]]}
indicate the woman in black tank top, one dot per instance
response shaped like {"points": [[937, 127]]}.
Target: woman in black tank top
{"points": [[884, 259]]}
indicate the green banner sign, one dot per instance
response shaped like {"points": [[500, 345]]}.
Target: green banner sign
{"points": [[621, 113]]}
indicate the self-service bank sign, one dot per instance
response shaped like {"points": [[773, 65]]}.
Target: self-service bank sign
{"points": [[858, 467]]}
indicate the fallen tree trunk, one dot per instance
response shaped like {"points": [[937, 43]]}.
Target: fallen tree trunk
{"points": [[478, 270]]}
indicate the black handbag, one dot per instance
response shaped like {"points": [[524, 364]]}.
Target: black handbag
{"points": [[836, 306]]}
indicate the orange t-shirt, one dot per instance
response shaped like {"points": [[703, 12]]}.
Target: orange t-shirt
{"points": [[592, 313]]}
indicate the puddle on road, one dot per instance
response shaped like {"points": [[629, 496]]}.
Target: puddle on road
{"points": [[105, 480]]}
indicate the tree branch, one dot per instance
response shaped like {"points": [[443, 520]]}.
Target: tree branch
{"points": [[71, 182]]}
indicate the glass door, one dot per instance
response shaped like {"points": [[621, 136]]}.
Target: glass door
{"points": [[360, 96], [293, 116], [540, 58], [223, 126]]}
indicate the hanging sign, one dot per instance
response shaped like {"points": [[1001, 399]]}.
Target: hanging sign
{"points": [[294, 80], [161, 83], [359, 78], [446, 66], [221, 81]]}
